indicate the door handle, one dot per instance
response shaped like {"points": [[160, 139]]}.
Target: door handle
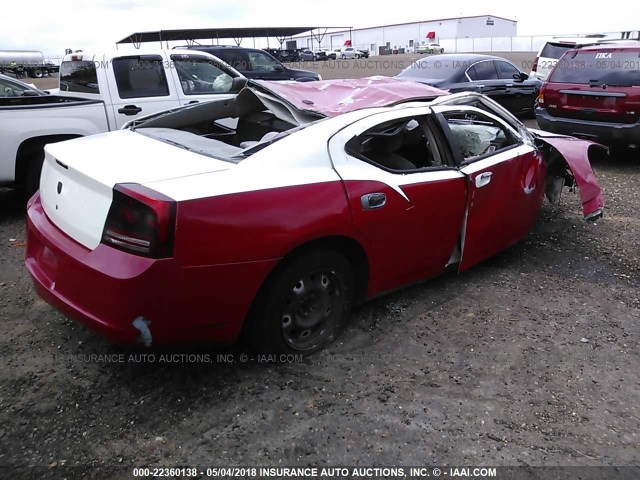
{"points": [[192, 102], [130, 110], [371, 201], [483, 179]]}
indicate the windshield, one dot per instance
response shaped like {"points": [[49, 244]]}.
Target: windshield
{"points": [[592, 67], [433, 68], [14, 89]]}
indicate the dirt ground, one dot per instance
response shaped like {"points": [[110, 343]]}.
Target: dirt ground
{"points": [[530, 358]]}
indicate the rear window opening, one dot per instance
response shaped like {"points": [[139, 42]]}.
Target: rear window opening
{"points": [[406, 145], [598, 68], [227, 130]]}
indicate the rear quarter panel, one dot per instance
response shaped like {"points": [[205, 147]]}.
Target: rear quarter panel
{"points": [[262, 208], [259, 225]]}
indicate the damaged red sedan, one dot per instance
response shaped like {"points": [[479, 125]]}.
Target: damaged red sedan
{"points": [[273, 213]]}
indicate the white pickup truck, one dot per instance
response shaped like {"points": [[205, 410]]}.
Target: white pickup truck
{"points": [[99, 93]]}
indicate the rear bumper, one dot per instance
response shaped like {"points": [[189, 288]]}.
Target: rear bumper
{"points": [[602, 132], [106, 290]]}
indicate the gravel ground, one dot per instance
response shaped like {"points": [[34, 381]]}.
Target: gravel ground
{"points": [[529, 358]]}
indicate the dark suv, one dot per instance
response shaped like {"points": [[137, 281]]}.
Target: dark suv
{"points": [[594, 93], [256, 64]]}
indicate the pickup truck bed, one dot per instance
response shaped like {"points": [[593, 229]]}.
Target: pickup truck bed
{"points": [[29, 123], [98, 93]]}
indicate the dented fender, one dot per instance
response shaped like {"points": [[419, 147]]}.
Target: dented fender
{"points": [[577, 155]]}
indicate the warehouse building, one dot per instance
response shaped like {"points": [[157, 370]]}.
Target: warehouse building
{"points": [[408, 35]]}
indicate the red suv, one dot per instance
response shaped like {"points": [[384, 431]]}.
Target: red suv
{"points": [[594, 93]]}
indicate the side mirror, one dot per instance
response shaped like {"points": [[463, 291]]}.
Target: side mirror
{"points": [[278, 68], [238, 83], [520, 77]]}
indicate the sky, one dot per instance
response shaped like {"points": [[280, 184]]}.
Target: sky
{"points": [[51, 26]]}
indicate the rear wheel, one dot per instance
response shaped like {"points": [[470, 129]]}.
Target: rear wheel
{"points": [[31, 173], [303, 305], [532, 112]]}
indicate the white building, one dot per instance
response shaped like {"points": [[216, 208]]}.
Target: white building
{"points": [[408, 35]]}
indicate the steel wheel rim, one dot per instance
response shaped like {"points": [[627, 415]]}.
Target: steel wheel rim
{"points": [[312, 310]]}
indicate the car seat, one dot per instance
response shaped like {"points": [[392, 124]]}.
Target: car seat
{"points": [[383, 148]]}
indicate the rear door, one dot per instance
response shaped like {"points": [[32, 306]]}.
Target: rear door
{"points": [[405, 199], [140, 86], [520, 94], [485, 79], [596, 85], [505, 178]]}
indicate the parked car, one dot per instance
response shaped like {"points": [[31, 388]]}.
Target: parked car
{"points": [[284, 55], [364, 53], [187, 227], [349, 53], [493, 76], [256, 64], [324, 54], [329, 54], [12, 88], [99, 92], [429, 48], [307, 55], [594, 93]]}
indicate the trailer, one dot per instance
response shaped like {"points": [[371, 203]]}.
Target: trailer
{"points": [[26, 62]]}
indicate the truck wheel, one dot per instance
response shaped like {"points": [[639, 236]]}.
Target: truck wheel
{"points": [[303, 305], [32, 171], [37, 73]]}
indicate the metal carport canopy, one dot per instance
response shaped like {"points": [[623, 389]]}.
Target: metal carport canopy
{"points": [[214, 33]]}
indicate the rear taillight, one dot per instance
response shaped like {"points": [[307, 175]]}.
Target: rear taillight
{"points": [[141, 221], [541, 95], [535, 65]]}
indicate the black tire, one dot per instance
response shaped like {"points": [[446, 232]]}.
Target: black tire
{"points": [[532, 113], [31, 175], [303, 304]]}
